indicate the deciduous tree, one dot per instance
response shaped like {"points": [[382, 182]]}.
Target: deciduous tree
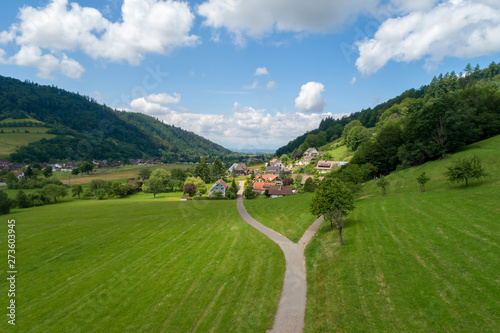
{"points": [[383, 183], [153, 185], [422, 179], [334, 201], [464, 169]]}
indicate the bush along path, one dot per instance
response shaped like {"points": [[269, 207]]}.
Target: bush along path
{"points": [[292, 306]]}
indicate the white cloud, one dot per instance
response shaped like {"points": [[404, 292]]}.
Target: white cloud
{"points": [[310, 99], [164, 98], [254, 85], [258, 17], [249, 127], [271, 85], [353, 80], [458, 28], [146, 26], [261, 71]]}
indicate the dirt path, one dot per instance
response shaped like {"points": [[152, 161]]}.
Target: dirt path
{"points": [[291, 310]]}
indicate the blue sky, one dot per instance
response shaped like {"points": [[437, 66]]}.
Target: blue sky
{"points": [[245, 74]]}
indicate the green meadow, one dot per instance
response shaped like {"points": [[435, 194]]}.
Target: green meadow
{"points": [[13, 137], [128, 265], [413, 262], [287, 215]]}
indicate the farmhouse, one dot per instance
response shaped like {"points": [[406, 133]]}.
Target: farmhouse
{"points": [[280, 191], [218, 186], [311, 152], [239, 168]]}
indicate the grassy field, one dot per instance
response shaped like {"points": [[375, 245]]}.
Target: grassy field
{"points": [[132, 265], [287, 215], [10, 141], [413, 262], [123, 173]]}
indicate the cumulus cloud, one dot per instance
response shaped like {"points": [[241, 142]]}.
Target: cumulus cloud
{"points": [[255, 18], [164, 98], [310, 99], [249, 127], [261, 71], [458, 28], [146, 26]]}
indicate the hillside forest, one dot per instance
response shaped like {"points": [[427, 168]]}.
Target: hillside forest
{"points": [[417, 126]]}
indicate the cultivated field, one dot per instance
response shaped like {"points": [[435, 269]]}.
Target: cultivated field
{"points": [[129, 265]]}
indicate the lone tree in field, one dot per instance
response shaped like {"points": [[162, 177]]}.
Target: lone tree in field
{"points": [[422, 179], [77, 190], [464, 169], [383, 184], [153, 185], [55, 191], [334, 201]]}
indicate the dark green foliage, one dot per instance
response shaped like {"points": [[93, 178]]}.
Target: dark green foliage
{"points": [[88, 130], [47, 172], [5, 203], [419, 125], [309, 185], [248, 193], [464, 169], [218, 170], [202, 170], [86, 167], [334, 201], [22, 200]]}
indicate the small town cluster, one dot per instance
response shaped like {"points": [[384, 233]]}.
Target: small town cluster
{"points": [[277, 179]]}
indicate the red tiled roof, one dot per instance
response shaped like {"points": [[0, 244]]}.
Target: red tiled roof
{"points": [[262, 186]]}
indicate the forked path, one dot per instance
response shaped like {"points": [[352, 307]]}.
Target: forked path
{"points": [[292, 307]]}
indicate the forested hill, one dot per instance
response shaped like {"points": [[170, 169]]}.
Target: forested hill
{"points": [[85, 129], [418, 125]]}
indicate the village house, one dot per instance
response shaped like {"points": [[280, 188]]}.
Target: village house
{"points": [[273, 170], [261, 187], [277, 191], [311, 152], [325, 166], [240, 169], [276, 162], [19, 174], [219, 186]]}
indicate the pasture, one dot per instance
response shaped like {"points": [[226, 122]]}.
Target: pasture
{"points": [[13, 137], [412, 262], [129, 265], [287, 215]]}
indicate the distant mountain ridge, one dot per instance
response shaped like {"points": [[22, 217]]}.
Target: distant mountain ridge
{"points": [[86, 129]]}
